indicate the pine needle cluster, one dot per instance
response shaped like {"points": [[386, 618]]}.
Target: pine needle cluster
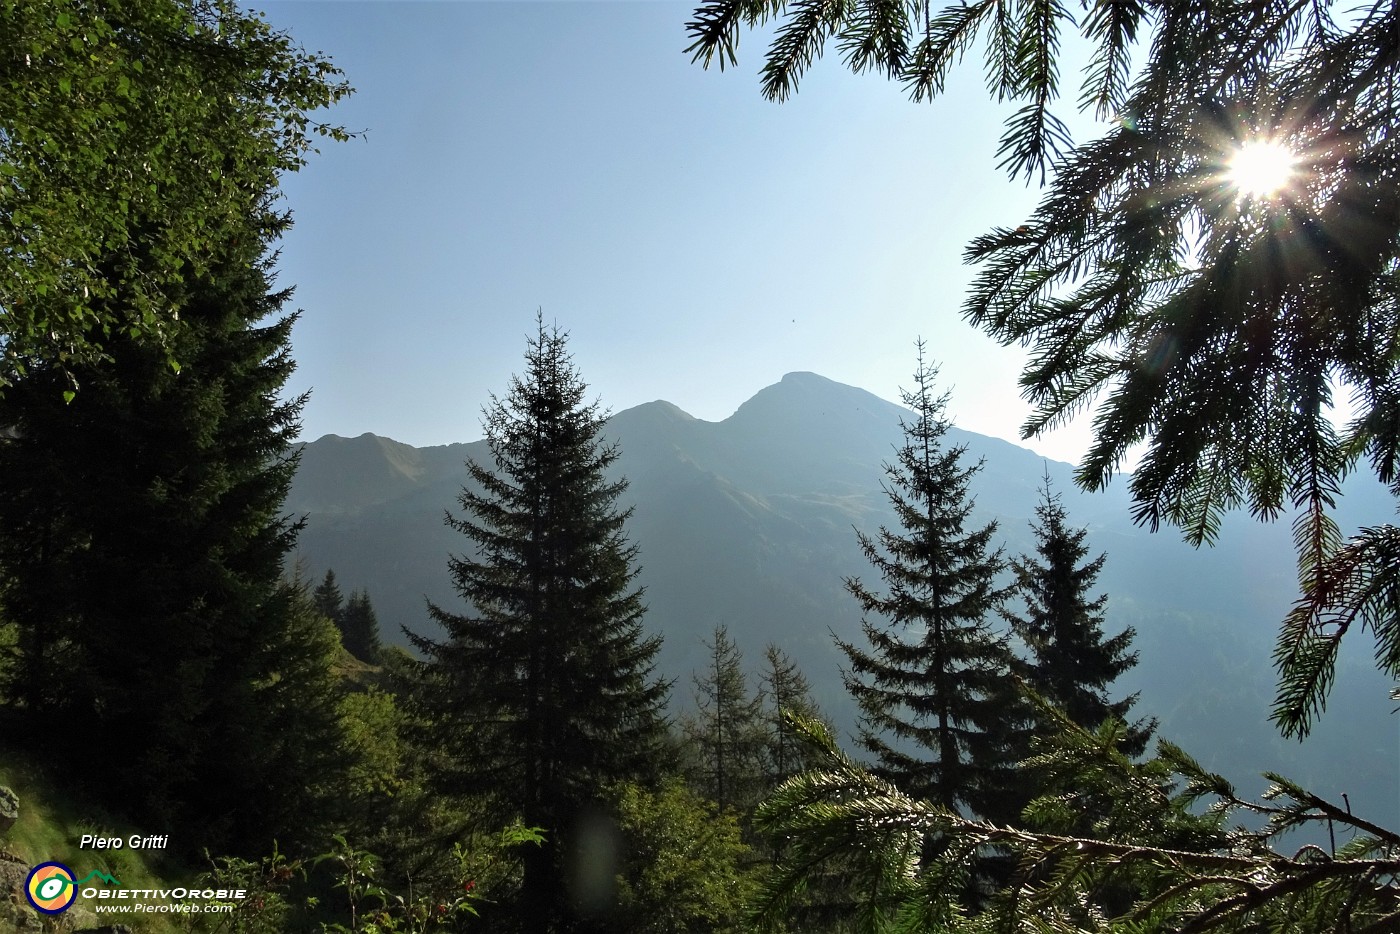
{"points": [[1165, 860], [1211, 327]]}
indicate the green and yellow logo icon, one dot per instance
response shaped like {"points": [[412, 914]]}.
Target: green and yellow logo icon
{"points": [[51, 887]]}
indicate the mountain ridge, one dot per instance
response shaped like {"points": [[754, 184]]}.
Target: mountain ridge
{"points": [[749, 522]]}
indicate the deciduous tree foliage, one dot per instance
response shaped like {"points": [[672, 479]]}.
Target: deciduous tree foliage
{"points": [[136, 139], [140, 150], [936, 687], [687, 867], [1213, 327], [541, 694]]}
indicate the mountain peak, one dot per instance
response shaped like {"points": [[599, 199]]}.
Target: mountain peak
{"points": [[661, 409], [355, 472], [657, 419], [798, 377], [810, 396]]}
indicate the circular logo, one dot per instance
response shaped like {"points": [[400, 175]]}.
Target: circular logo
{"points": [[50, 888]]}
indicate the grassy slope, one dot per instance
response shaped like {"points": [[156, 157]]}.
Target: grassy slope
{"points": [[52, 822]]}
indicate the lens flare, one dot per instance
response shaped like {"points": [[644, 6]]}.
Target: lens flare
{"points": [[1261, 168]]}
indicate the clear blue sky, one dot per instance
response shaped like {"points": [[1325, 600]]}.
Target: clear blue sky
{"points": [[697, 240]]}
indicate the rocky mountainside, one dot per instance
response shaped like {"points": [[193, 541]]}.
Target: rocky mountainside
{"points": [[749, 522]]}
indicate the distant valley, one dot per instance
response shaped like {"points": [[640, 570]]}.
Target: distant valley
{"points": [[749, 522]]}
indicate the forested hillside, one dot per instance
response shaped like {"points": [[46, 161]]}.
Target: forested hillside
{"points": [[750, 523], [828, 665]]}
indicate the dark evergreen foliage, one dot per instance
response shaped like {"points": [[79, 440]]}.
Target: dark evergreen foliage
{"points": [[831, 894], [283, 752], [1174, 864], [936, 688], [328, 599], [1072, 663], [359, 628], [1213, 326], [144, 541], [726, 730], [785, 692], [541, 693]]}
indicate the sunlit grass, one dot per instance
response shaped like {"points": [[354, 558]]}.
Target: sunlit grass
{"points": [[50, 826]]}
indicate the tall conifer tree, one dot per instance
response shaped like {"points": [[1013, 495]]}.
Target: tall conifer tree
{"points": [[935, 688], [328, 599], [542, 692], [1072, 663], [145, 542], [785, 691], [727, 730], [359, 628], [1208, 275]]}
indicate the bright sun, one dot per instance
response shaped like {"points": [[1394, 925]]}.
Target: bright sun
{"points": [[1261, 168]]}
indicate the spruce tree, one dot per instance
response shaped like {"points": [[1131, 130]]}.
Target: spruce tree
{"points": [[935, 688], [359, 628], [328, 599], [282, 750], [785, 692], [786, 696], [542, 692], [1072, 663], [726, 730], [144, 543], [1209, 321]]}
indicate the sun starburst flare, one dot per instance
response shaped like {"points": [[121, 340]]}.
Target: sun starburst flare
{"points": [[1261, 168]]}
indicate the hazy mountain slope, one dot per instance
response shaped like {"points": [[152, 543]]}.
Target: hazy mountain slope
{"points": [[748, 522]]}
